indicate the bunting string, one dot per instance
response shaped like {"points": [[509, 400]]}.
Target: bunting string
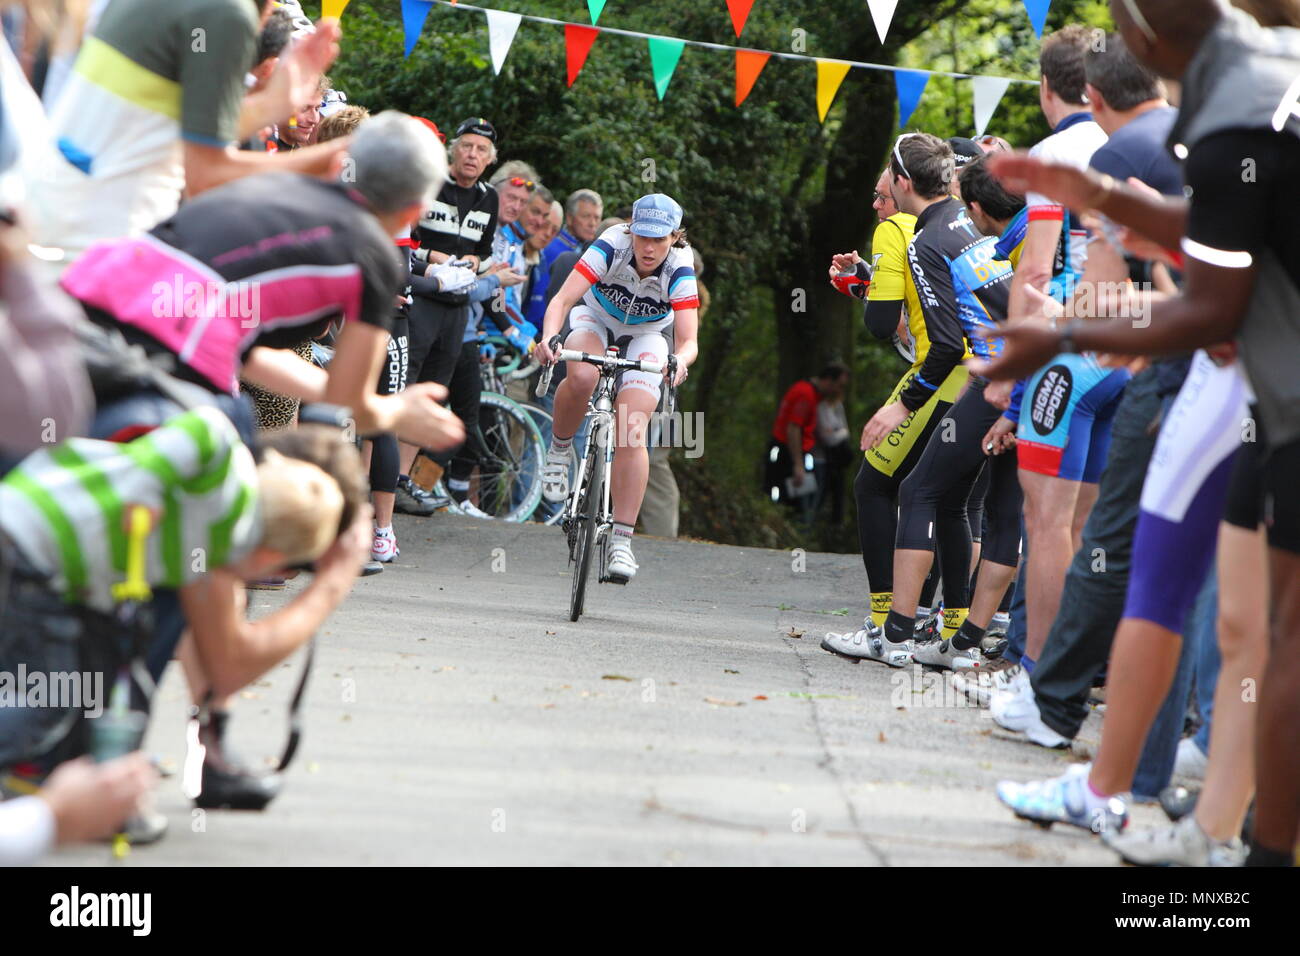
{"points": [[856, 64]]}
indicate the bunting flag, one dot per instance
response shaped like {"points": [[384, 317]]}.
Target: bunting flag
{"points": [[665, 52], [333, 8], [749, 63], [502, 27], [595, 7], [882, 13], [1037, 10], [577, 44], [910, 84], [988, 92], [414, 13], [739, 13], [830, 74]]}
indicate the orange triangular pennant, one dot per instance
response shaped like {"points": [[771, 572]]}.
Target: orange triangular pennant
{"points": [[749, 63]]}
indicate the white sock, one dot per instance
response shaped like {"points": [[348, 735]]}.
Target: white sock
{"points": [[560, 446], [384, 532], [622, 535], [458, 484]]}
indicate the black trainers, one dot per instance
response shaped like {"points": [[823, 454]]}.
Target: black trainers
{"points": [[411, 499]]}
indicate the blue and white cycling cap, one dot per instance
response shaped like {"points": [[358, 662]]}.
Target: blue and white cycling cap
{"points": [[656, 215]]}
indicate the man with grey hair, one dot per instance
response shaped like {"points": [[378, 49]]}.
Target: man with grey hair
{"points": [[241, 273], [582, 212], [457, 227]]}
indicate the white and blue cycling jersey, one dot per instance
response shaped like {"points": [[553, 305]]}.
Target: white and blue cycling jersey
{"points": [[626, 297]]}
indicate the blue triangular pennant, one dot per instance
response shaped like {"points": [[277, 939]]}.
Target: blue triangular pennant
{"points": [[414, 13], [1037, 10], [910, 85]]}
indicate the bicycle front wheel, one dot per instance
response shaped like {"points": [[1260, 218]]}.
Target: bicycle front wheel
{"points": [[588, 514], [510, 463]]}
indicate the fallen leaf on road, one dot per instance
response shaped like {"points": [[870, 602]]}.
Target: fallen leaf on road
{"points": [[794, 632], [551, 633], [613, 677], [548, 706], [313, 767], [760, 697], [719, 702], [728, 670], [346, 717], [881, 737]]}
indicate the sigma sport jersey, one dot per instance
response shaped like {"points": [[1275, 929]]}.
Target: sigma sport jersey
{"points": [[961, 288], [265, 260], [617, 289]]}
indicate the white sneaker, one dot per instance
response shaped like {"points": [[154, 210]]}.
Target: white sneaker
{"points": [[991, 679], [555, 474], [622, 566], [1017, 709], [943, 653], [469, 509], [1176, 844], [384, 547], [1190, 761], [1006, 704], [868, 643]]}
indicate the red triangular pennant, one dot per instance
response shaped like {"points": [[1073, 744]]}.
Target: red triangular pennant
{"points": [[749, 63], [739, 13], [577, 44]]}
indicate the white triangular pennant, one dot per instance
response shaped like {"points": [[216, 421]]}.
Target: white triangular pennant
{"points": [[988, 94], [882, 12], [501, 33]]}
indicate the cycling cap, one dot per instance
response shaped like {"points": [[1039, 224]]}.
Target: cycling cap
{"points": [[479, 127], [656, 215], [965, 150]]}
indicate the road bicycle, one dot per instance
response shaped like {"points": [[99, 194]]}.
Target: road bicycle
{"points": [[588, 517]]}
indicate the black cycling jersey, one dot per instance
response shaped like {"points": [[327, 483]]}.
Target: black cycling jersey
{"points": [[461, 222], [961, 288], [264, 260]]}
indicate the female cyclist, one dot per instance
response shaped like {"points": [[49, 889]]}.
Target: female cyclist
{"points": [[632, 285]]}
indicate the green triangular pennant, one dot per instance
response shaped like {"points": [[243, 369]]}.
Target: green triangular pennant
{"points": [[595, 7], [664, 54]]}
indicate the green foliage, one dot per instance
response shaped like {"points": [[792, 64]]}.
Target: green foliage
{"points": [[770, 193]]}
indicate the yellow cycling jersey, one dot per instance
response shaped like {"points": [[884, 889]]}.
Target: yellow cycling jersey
{"points": [[891, 278]]}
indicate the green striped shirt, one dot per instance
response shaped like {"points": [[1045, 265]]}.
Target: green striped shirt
{"points": [[64, 507]]}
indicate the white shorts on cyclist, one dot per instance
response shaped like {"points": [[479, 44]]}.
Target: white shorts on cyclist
{"points": [[647, 342]]}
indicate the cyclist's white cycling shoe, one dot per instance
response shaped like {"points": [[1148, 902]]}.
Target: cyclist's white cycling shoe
{"points": [[622, 566], [868, 643], [1065, 799], [1175, 844], [555, 474]]}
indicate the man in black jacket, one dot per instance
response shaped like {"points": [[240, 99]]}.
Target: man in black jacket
{"points": [[458, 227]]}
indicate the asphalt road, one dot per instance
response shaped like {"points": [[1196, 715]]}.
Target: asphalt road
{"points": [[456, 716]]}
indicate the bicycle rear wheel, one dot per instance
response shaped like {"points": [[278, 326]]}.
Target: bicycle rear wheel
{"points": [[588, 513], [510, 466]]}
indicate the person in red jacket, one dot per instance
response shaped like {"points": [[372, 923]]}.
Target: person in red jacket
{"points": [[789, 475]]}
